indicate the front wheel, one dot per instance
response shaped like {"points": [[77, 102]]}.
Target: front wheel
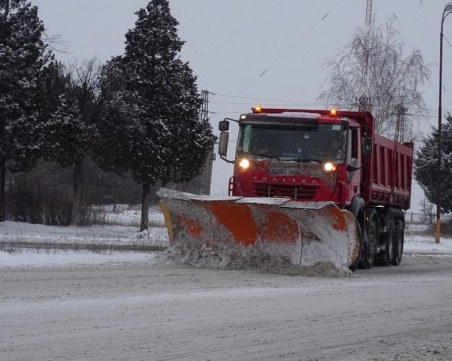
{"points": [[358, 261]]}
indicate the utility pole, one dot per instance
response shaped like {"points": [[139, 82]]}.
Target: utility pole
{"points": [[366, 59], [369, 13], [400, 124], [204, 112], [207, 172], [447, 10]]}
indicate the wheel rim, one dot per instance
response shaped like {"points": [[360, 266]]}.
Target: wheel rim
{"points": [[390, 244], [372, 243], [399, 244]]}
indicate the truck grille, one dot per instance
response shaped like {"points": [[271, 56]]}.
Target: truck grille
{"points": [[285, 191]]}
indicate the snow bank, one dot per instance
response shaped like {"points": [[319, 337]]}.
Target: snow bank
{"points": [[104, 234], [33, 258]]}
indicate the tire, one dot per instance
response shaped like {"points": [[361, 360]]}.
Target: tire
{"points": [[389, 245], [371, 245], [357, 264], [398, 243]]}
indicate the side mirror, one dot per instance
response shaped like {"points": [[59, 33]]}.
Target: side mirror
{"points": [[223, 126], [223, 143], [352, 167], [367, 146]]}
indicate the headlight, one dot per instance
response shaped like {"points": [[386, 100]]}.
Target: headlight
{"points": [[244, 163], [329, 167]]}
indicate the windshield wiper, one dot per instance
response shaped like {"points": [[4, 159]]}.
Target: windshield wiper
{"points": [[304, 160], [265, 155]]}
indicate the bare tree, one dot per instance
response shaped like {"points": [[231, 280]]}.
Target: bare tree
{"points": [[426, 211], [371, 74], [71, 130]]}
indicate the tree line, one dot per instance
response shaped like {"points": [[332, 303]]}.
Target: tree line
{"points": [[138, 113]]}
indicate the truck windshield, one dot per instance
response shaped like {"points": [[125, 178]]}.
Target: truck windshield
{"points": [[293, 143]]}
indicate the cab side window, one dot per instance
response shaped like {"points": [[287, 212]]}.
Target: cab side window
{"points": [[354, 148]]}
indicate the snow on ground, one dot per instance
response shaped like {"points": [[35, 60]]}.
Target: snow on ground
{"points": [[122, 214], [121, 228], [62, 305], [423, 244], [418, 241]]}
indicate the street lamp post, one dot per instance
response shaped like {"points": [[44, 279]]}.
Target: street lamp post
{"points": [[447, 10]]}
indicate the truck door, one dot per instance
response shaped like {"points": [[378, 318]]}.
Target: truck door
{"points": [[354, 162]]}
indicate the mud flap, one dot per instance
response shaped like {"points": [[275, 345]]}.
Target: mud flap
{"points": [[304, 233]]}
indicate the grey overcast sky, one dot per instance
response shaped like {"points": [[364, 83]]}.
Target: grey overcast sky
{"points": [[247, 52]]}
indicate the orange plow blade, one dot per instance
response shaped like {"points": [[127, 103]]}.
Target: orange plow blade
{"points": [[304, 233]]}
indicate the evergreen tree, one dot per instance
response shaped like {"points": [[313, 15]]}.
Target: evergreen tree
{"points": [[23, 58], [426, 166], [151, 104], [52, 83], [71, 130]]}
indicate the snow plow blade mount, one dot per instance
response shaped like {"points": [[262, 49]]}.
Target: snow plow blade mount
{"points": [[304, 233]]}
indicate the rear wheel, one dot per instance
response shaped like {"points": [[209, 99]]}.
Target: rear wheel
{"points": [[398, 243], [389, 244]]}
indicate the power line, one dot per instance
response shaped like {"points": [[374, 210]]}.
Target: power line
{"points": [[262, 99], [428, 110], [292, 46]]}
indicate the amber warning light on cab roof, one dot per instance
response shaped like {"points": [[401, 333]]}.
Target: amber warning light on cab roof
{"points": [[257, 109]]}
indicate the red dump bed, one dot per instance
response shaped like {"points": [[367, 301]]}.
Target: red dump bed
{"points": [[389, 173]]}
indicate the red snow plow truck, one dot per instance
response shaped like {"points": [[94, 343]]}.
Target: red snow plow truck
{"points": [[308, 185]]}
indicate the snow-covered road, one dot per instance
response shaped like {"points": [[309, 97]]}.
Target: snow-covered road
{"points": [[155, 310]]}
